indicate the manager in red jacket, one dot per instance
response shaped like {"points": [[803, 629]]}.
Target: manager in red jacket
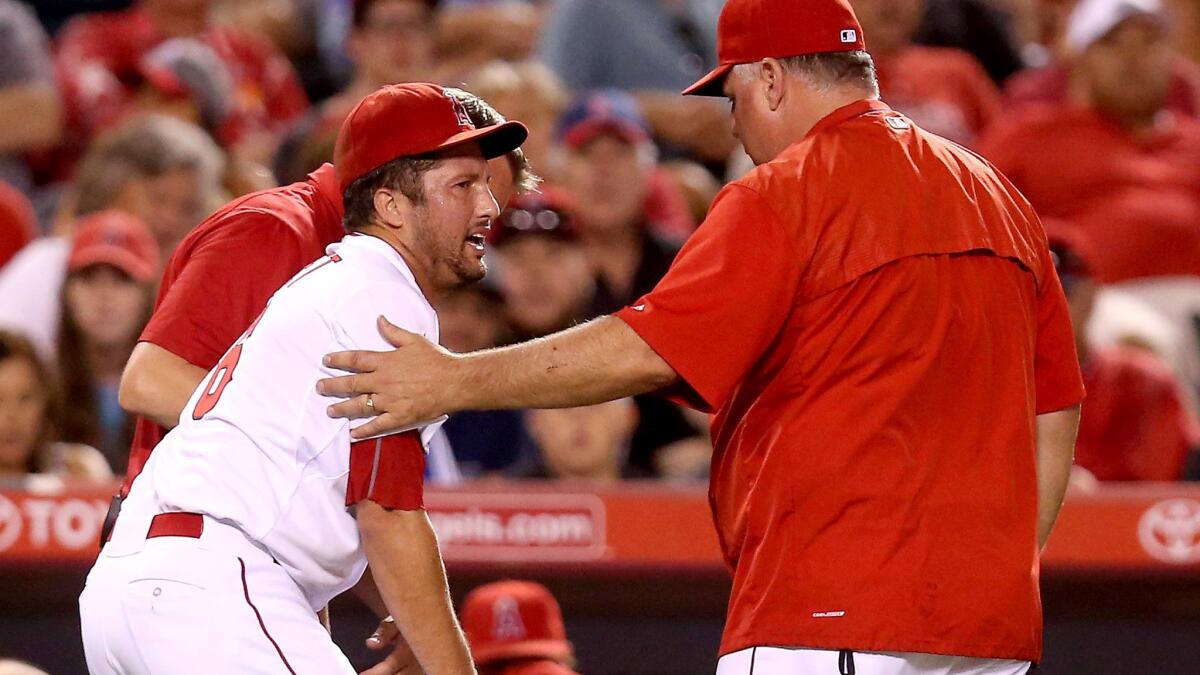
{"points": [[874, 318]]}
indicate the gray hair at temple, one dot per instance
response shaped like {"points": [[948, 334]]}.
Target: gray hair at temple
{"points": [[825, 72], [482, 114]]}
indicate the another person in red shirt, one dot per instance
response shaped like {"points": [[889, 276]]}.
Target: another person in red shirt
{"points": [[1114, 160], [874, 318], [222, 274], [943, 89], [516, 628], [1137, 424]]}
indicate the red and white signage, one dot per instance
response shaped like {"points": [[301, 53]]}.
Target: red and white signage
{"points": [[1170, 531], [51, 527], [1145, 528], [518, 527]]}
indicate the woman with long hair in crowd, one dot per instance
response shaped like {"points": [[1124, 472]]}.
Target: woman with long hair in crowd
{"points": [[106, 302], [28, 407]]}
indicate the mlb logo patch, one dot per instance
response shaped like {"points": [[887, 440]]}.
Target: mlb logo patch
{"points": [[849, 36], [897, 123]]}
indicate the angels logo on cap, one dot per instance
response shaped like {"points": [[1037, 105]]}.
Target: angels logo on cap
{"points": [[460, 112], [506, 622]]}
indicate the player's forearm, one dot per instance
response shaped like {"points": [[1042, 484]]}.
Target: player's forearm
{"points": [[599, 361], [1055, 454], [368, 592], [402, 550], [157, 384]]}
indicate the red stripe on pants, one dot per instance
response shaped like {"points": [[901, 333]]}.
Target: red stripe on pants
{"points": [[263, 626]]}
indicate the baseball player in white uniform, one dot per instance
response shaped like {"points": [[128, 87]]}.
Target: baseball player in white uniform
{"points": [[257, 509]]}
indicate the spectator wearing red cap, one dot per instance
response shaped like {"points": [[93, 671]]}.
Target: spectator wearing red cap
{"points": [[161, 170], [516, 628], [943, 89], [1137, 424], [99, 56], [1114, 160], [873, 316], [413, 173], [105, 302]]}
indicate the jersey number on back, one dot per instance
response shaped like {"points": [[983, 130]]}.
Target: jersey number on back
{"points": [[222, 375]]}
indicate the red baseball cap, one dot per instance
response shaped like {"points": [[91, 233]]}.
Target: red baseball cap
{"points": [[751, 30], [406, 120], [514, 620], [114, 238]]}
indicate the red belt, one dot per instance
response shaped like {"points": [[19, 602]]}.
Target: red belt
{"points": [[177, 524]]}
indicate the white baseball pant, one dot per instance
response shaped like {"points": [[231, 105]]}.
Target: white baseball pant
{"points": [[214, 604], [782, 661]]}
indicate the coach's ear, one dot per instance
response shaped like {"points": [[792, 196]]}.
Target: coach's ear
{"points": [[392, 208], [771, 73]]}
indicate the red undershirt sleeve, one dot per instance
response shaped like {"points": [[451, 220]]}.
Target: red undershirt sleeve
{"points": [[389, 471]]}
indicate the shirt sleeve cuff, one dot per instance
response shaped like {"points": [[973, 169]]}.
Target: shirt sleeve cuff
{"points": [[691, 390]]}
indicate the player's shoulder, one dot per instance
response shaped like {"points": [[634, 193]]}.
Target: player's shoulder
{"points": [[359, 274]]}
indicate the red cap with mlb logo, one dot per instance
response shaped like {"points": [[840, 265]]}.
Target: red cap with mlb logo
{"points": [[406, 120], [750, 30], [514, 620]]}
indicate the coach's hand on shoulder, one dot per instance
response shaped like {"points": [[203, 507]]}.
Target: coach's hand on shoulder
{"points": [[401, 661], [398, 388]]}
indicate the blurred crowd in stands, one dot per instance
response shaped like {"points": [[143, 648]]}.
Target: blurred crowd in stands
{"points": [[124, 124]]}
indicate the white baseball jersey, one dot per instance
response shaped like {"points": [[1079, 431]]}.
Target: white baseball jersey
{"points": [[255, 447]]}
